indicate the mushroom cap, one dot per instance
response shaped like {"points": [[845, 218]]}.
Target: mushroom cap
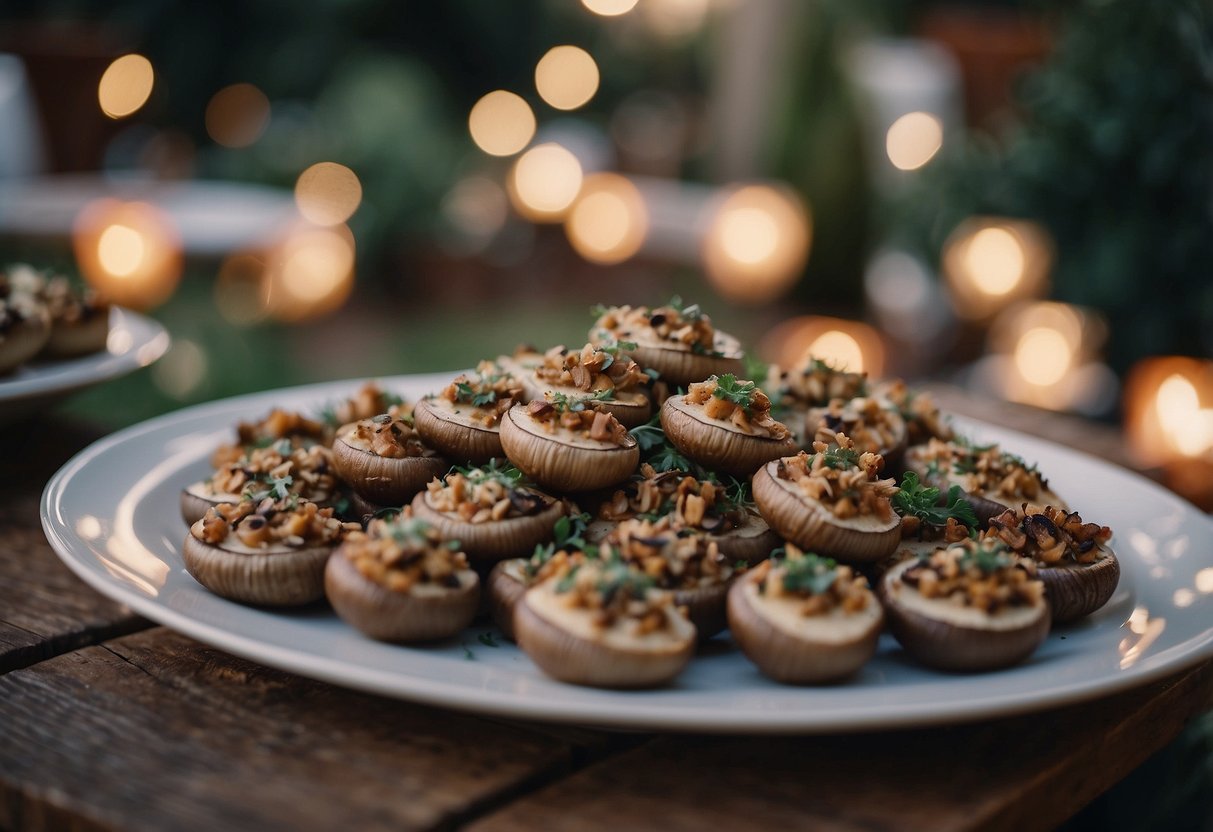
{"points": [[752, 541], [451, 431], [681, 366], [24, 339], [194, 506], [811, 652], [982, 642], [487, 543], [68, 339], [276, 577], [814, 528], [986, 504], [892, 454], [505, 589], [383, 614], [716, 444], [384, 480], [1079, 589], [561, 464], [705, 606], [570, 657], [631, 408]]}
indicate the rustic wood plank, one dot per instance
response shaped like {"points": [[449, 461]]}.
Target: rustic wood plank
{"points": [[1029, 772], [155, 731], [44, 609]]}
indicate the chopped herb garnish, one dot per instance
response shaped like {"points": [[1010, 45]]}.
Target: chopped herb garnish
{"points": [[810, 573], [916, 500], [575, 404], [840, 458], [279, 489], [729, 388], [488, 639]]}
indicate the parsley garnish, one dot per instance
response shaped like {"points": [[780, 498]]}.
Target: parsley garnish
{"points": [[809, 573], [488, 639], [279, 489], [506, 474], [840, 458], [916, 500], [987, 555], [729, 388], [575, 404]]}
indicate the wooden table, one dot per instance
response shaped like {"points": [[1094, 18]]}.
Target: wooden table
{"points": [[107, 721]]}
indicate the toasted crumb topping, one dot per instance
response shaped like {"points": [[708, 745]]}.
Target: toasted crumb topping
{"points": [[924, 420], [279, 471], [483, 495], [673, 325], [985, 575], [403, 553], [952, 531], [278, 424], [1049, 536], [702, 505], [616, 594], [491, 390], [841, 478], [815, 383], [369, 401], [389, 435], [592, 368], [271, 523], [820, 584], [982, 469], [740, 402], [580, 417], [871, 425], [673, 558]]}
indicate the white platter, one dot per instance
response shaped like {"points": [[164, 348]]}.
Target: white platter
{"points": [[134, 341], [111, 514]]}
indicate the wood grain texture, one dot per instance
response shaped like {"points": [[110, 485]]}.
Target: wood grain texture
{"points": [[1030, 772], [155, 731], [45, 610]]}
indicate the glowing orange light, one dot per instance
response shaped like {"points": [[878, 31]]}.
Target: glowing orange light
{"points": [[544, 182], [757, 243], [125, 86], [311, 273], [609, 222], [913, 140], [501, 123], [609, 8], [566, 77], [128, 251], [237, 115], [328, 193], [843, 343], [1168, 406], [990, 261], [239, 289]]}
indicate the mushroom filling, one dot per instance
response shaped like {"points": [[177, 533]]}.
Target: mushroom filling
{"points": [[65, 303], [577, 415], [984, 575], [277, 425], [820, 584], [271, 523], [725, 398], [278, 471], [870, 425], [368, 402], [1049, 535], [672, 325], [983, 469], [924, 420], [592, 368], [482, 495], [615, 594], [405, 553], [389, 435], [841, 478], [673, 559], [490, 390], [816, 383], [703, 505]]}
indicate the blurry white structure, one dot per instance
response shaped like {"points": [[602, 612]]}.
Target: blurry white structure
{"points": [[909, 94], [20, 136]]}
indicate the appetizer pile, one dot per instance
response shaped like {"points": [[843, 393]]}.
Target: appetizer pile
{"points": [[44, 316], [615, 504]]}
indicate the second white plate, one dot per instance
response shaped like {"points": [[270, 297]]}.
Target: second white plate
{"points": [[111, 514]]}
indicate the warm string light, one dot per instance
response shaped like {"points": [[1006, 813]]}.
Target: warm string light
{"points": [[129, 252], [913, 140], [501, 123], [237, 115], [609, 8], [328, 193], [310, 273], [1168, 407], [125, 86], [566, 77], [756, 243], [846, 344], [990, 262], [544, 182], [609, 221]]}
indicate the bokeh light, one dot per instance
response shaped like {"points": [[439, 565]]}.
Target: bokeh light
{"points": [[756, 243], [609, 8], [239, 289], [125, 86], [609, 221], [675, 18], [501, 123], [129, 252], [566, 77], [913, 140], [989, 262], [328, 193], [843, 343], [310, 274], [237, 115], [544, 182], [1043, 356], [1168, 407], [182, 370], [476, 207]]}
